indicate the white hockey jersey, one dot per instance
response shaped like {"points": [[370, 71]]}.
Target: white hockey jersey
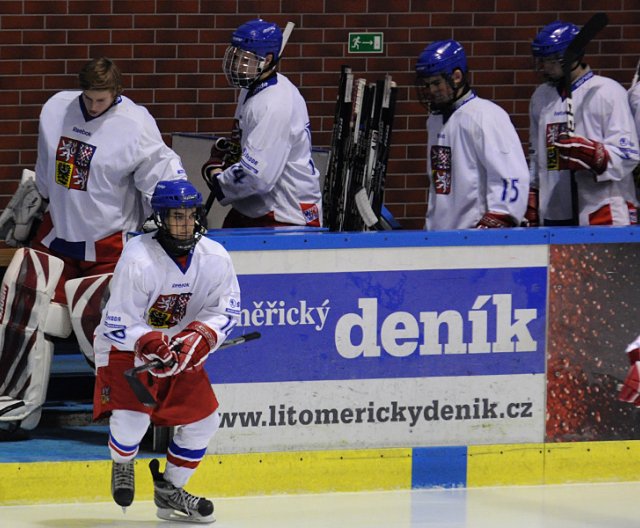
{"points": [[476, 164], [601, 113], [276, 174], [149, 291], [99, 174]]}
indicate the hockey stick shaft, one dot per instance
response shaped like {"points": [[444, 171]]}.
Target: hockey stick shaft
{"points": [[285, 37], [139, 388], [636, 75], [573, 53]]}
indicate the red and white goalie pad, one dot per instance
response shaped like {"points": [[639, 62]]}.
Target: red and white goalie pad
{"points": [[25, 355], [86, 297]]}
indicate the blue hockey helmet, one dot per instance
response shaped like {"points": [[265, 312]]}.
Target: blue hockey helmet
{"points": [[245, 60], [260, 37], [553, 39], [177, 194], [441, 57]]}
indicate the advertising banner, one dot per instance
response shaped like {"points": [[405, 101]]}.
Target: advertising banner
{"points": [[450, 350]]}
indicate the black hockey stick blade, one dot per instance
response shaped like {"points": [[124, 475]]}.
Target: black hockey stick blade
{"points": [[588, 32], [141, 391], [137, 386]]}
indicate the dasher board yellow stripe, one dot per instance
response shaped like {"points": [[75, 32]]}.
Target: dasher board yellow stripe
{"points": [[336, 471], [217, 476], [553, 463]]}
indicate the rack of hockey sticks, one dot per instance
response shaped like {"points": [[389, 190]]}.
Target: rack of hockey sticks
{"points": [[353, 192]]}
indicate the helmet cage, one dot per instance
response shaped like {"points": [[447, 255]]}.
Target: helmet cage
{"points": [[241, 67], [177, 194], [177, 247], [424, 92]]}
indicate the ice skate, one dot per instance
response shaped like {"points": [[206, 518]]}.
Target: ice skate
{"points": [[175, 504], [122, 483]]}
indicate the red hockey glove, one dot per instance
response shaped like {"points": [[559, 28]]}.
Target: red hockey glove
{"points": [[495, 220], [633, 352], [630, 391], [155, 345], [224, 153], [193, 345], [579, 153], [531, 215]]}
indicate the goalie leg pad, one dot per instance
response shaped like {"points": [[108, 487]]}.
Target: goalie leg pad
{"points": [[25, 355], [87, 297]]}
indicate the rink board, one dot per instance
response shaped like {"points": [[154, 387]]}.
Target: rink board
{"points": [[578, 286], [373, 348], [388, 413], [339, 470]]}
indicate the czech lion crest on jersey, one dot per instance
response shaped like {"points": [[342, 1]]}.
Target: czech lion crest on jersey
{"points": [[441, 168], [73, 159], [168, 310], [553, 133]]}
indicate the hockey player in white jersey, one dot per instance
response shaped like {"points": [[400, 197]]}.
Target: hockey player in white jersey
{"points": [[634, 103], [597, 160], [477, 169], [99, 158], [174, 297], [275, 182]]}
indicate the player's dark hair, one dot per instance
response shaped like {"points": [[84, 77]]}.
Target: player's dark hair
{"points": [[101, 74]]}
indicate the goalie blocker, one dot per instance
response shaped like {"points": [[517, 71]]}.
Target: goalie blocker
{"points": [[21, 217]]}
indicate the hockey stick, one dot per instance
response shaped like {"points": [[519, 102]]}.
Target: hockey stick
{"points": [[139, 388], [367, 213], [285, 37], [573, 53], [338, 154], [636, 75]]}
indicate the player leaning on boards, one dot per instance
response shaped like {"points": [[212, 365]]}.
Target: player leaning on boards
{"points": [[275, 183], [478, 175], [598, 157], [174, 297], [100, 156]]}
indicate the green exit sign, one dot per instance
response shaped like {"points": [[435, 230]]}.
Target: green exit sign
{"points": [[365, 42]]}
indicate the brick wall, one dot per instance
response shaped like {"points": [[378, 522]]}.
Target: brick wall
{"points": [[170, 52]]}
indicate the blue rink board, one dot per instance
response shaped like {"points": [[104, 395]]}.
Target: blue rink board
{"points": [[315, 238], [309, 352]]}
